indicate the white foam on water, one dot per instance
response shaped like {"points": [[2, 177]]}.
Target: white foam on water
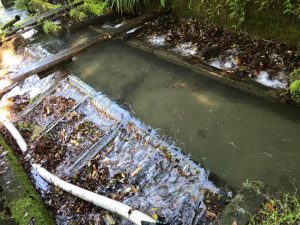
{"points": [[132, 31], [157, 40], [216, 63], [120, 24], [33, 85], [186, 49], [263, 78]]}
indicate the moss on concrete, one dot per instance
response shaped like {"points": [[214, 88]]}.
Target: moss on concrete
{"points": [[25, 209], [266, 23], [24, 203]]}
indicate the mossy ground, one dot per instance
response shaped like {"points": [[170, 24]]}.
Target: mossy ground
{"points": [[26, 204]]}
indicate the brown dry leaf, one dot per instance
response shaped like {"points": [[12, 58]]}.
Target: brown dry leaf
{"points": [[110, 148], [47, 110], [135, 189], [63, 134], [270, 206], [193, 198], [237, 60], [135, 172], [130, 127]]}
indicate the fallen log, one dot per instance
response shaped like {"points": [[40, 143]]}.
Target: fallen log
{"points": [[67, 54], [47, 15]]}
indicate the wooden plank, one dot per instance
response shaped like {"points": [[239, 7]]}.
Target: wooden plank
{"points": [[39, 99], [204, 69], [67, 54]]}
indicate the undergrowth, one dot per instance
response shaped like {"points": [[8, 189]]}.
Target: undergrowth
{"points": [[237, 8], [295, 75], [280, 210], [50, 27], [89, 8], [132, 6], [295, 91]]}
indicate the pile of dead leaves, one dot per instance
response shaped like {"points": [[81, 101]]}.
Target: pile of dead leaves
{"points": [[251, 55], [18, 103], [57, 105], [83, 131]]}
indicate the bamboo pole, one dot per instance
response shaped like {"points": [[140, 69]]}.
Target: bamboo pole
{"points": [[111, 205], [11, 22], [14, 132]]}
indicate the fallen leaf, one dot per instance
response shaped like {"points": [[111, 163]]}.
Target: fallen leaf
{"points": [[135, 172], [270, 206]]}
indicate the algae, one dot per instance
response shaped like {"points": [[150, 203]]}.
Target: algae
{"points": [[26, 205]]}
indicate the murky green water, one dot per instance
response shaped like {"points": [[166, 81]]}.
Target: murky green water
{"points": [[235, 135]]}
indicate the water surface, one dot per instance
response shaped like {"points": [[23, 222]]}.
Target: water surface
{"points": [[235, 135]]}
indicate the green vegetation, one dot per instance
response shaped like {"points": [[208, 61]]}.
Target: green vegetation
{"points": [[22, 4], [50, 27], [295, 91], [284, 209], [22, 126], [236, 9], [35, 6], [26, 203], [132, 6], [89, 8], [295, 75]]}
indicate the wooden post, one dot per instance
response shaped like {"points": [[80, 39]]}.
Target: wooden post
{"points": [[11, 22]]}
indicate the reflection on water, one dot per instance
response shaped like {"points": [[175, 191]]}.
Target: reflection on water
{"points": [[235, 135]]}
